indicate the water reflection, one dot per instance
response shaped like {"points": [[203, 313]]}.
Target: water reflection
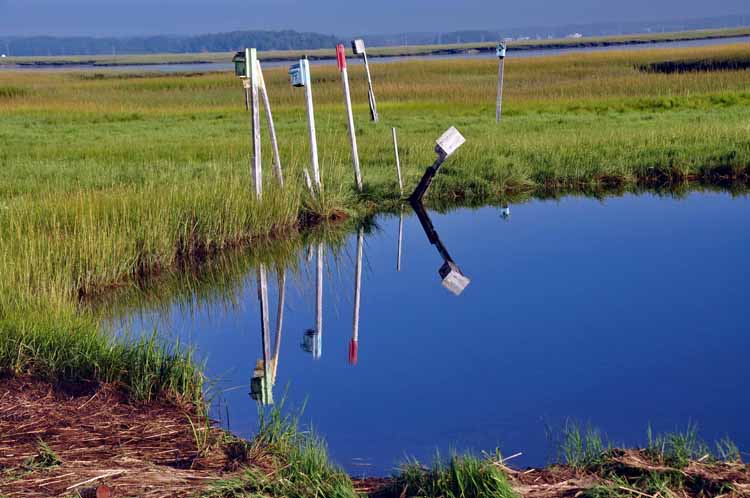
{"points": [[453, 278]]}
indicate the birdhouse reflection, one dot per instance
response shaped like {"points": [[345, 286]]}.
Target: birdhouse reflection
{"points": [[312, 341], [505, 212], [453, 278]]}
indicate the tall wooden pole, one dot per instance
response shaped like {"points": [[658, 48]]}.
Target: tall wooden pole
{"points": [[341, 59], [251, 56], [271, 126], [305, 66], [354, 345], [398, 162]]}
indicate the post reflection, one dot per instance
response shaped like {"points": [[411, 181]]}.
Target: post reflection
{"points": [[453, 279], [354, 344], [264, 374], [312, 341]]}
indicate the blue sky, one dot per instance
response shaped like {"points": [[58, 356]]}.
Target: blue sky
{"points": [[135, 17]]}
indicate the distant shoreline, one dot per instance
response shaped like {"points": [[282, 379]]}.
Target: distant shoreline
{"points": [[374, 52]]}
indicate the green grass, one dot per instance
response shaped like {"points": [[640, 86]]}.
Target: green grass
{"points": [[462, 477], [299, 461]]}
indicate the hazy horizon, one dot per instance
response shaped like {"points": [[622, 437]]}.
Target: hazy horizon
{"points": [[140, 17]]}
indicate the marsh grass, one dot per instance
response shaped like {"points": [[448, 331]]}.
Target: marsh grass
{"points": [[463, 476], [299, 459], [579, 446]]}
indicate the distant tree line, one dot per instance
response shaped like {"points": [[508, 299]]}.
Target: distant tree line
{"points": [[220, 42]]}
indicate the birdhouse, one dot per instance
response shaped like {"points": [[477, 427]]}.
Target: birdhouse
{"points": [[453, 279], [240, 64], [501, 49], [449, 142], [298, 73], [358, 46]]}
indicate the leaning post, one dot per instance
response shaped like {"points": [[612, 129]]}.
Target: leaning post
{"points": [[341, 60], [358, 46], [501, 49], [271, 125], [446, 145]]}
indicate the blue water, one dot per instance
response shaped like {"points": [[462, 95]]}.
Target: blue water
{"points": [[623, 313]]}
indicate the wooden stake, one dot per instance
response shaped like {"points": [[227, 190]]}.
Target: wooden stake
{"points": [[341, 59], [251, 56], [271, 126], [305, 65], [398, 163], [354, 346]]}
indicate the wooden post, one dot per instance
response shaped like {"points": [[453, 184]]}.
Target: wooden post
{"points": [[358, 46], [354, 345], [271, 126], [398, 163], [305, 64], [400, 239], [501, 48], [251, 56], [341, 59]]}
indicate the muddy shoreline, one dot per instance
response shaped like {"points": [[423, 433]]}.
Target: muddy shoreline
{"points": [[168, 449]]}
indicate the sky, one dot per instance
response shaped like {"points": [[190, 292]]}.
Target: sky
{"points": [[340, 17]]}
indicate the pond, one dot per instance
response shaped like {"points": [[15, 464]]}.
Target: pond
{"points": [[622, 313]]}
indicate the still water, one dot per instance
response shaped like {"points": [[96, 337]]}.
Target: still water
{"points": [[621, 312]]}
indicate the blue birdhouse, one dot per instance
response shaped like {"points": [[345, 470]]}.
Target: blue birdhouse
{"points": [[297, 74]]}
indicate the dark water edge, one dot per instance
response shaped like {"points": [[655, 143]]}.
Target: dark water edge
{"points": [[217, 303]]}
